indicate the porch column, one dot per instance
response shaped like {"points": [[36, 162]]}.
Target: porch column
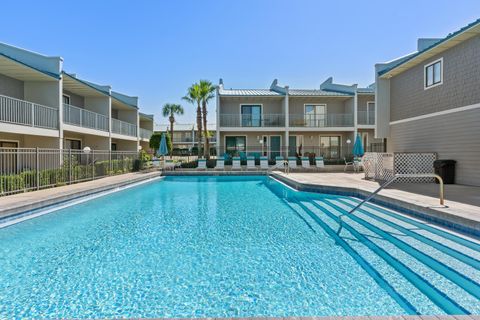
{"points": [[287, 122]]}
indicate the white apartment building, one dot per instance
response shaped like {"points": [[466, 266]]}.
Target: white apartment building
{"points": [[41, 105], [292, 122]]}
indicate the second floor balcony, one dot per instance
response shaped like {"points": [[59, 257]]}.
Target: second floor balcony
{"points": [[21, 112], [145, 133], [249, 120], [124, 128], [84, 118], [328, 120], [366, 118]]}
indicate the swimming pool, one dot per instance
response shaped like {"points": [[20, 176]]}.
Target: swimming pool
{"points": [[232, 247]]}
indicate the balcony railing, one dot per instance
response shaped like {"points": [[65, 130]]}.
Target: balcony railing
{"points": [[247, 120], [125, 128], [84, 118], [145, 133], [26, 113], [321, 120], [366, 118]]}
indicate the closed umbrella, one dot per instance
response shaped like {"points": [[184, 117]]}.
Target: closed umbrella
{"points": [[358, 147], [162, 150]]}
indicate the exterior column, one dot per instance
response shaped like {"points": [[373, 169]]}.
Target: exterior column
{"points": [[287, 122], [217, 110]]}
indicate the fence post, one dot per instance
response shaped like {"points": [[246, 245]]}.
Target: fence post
{"points": [[33, 114], [37, 167], [110, 162], [69, 166], [93, 165]]}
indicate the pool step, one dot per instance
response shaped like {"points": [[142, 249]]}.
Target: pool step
{"points": [[444, 279]]}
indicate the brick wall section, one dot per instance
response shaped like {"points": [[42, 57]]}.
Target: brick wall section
{"points": [[461, 83]]}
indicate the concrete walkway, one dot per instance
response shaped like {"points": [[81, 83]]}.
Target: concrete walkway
{"points": [[21, 202], [462, 204]]}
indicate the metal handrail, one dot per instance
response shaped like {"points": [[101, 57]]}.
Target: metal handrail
{"points": [[405, 175]]}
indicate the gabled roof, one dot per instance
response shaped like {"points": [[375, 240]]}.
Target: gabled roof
{"points": [[428, 50], [248, 92], [316, 93]]}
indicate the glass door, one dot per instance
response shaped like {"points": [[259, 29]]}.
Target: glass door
{"points": [[292, 146], [275, 145], [330, 147], [251, 115], [316, 115]]}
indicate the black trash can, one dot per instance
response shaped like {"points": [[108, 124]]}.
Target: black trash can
{"points": [[446, 170]]}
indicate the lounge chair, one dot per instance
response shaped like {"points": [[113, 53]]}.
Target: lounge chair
{"points": [[202, 164], [169, 165], [319, 164], [251, 163], [292, 163], [236, 163], [348, 164], [220, 165], [357, 164], [306, 163], [264, 163], [279, 162]]}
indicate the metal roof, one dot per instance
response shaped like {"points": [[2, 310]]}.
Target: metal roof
{"points": [[183, 127], [449, 41], [82, 87], [249, 92], [128, 100], [315, 92]]}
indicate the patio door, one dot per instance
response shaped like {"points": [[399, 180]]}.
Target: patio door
{"points": [[330, 147], [275, 146], [316, 115], [251, 115], [295, 146]]}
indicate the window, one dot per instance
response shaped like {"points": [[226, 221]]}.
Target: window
{"points": [[330, 147], [66, 99], [113, 147], [251, 115], [316, 115], [73, 144], [434, 74], [235, 144]]}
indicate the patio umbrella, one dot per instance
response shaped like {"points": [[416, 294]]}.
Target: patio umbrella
{"points": [[162, 150], [358, 147]]}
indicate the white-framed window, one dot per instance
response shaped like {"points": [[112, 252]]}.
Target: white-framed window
{"points": [[433, 74], [66, 98]]}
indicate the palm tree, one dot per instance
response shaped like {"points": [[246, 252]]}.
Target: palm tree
{"points": [[170, 110], [194, 97], [207, 90]]}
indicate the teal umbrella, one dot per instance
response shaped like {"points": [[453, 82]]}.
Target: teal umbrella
{"points": [[358, 147], [163, 150]]}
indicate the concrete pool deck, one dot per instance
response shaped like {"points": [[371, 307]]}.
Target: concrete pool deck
{"points": [[462, 203], [21, 202]]}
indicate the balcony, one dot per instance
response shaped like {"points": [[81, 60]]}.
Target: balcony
{"points": [[328, 120], [84, 118], [366, 118], [145, 133], [247, 120], [124, 128], [21, 112]]}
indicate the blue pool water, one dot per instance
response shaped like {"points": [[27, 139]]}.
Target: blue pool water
{"points": [[232, 247]]}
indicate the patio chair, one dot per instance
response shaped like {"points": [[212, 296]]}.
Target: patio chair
{"points": [[220, 165], [202, 164], [348, 164], [264, 163], [357, 164], [279, 162], [236, 163], [319, 164], [169, 165], [292, 163], [251, 163], [306, 163]]}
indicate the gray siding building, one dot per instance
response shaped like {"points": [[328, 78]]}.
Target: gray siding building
{"points": [[429, 101]]}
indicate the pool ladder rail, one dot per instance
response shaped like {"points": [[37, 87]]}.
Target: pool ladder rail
{"points": [[404, 175]]}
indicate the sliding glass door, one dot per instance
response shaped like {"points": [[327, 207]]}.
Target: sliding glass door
{"points": [[316, 115], [251, 115]]}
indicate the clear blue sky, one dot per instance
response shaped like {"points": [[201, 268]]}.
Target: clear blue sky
{"points": [[156, 49]]}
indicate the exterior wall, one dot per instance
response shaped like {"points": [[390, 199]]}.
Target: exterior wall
{"points": [[11, 87], [252, 141], [363, 100], [129, 116], [334, 105], [43, 92], [94, 142], [98, 104], [147, 124], [231, 105], [453, 136], [125, 145], [29, 141], [461, 70], [75, 99]]}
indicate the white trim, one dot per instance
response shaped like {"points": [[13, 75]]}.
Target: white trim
{"points": [[425, 74], [234, 135], [251, 104], [315, 112], [69, 98], [439, 113], [8, 140]]}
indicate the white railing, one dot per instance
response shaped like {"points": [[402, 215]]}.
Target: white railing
{"points": [[248, 120], [366, 118], [145, 133], [321, 120], [84, 118], [125, 128], [26, 113]]}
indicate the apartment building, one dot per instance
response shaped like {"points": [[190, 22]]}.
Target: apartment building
{"points": [[429, 101], [41, 105], [185, 135], [284, 121]]}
